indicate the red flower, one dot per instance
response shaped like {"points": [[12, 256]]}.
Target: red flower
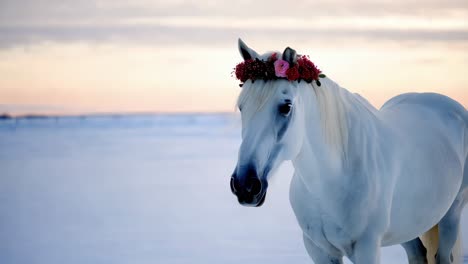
{"points": [[270, 70], [292, 73], [255, 69], [240, 72], [307, 69], [306, 73]]}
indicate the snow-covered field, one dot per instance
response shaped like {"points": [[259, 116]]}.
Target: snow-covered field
{"points": [[139, 189]]}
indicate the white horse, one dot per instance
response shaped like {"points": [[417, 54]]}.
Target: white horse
{"points": [[364, 178]]}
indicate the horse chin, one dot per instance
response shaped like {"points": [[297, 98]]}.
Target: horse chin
{"points": [[256, 202]]}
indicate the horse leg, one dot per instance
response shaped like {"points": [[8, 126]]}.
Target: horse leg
{"points": [[430, 240], [415, 251], [318, 256], [448, 232], [366, 250]]}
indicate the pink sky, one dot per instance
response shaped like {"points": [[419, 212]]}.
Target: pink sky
{"points": [[177, 56]]}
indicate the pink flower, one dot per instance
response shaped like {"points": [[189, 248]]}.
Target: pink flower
{"points": [[281, 66]]}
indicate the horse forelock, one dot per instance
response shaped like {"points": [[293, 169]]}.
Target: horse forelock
{"points": [[254, 96]]}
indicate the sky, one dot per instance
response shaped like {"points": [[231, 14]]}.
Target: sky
{"points": [[87, 56]]}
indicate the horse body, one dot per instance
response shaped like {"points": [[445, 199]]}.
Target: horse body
{"points": [[404, 167], [429, 133], [364, 178]]}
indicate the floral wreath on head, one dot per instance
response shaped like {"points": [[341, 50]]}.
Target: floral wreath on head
{"points": [[274, 68]]}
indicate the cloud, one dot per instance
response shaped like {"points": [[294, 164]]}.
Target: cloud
{"points": [[35, 10], [170, 35], [213, 22]]}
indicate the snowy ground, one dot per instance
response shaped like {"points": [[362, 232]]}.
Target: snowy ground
{"points": [[148, 189]]}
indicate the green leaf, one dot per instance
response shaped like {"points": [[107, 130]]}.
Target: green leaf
{"points": [[322, 75], [318, 82]]}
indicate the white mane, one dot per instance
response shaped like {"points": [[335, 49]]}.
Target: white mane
{"points": [[332, 102]]}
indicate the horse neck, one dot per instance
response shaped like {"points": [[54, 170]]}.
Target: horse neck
{"points": [[356, 120]]}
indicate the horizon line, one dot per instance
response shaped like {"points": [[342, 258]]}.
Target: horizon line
{"points": [[38, 115]]}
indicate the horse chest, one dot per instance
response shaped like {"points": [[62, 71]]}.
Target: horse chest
{"points": [[329, 223]]}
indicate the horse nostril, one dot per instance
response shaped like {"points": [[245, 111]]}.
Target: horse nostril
{"points": [[255, 186], [233, 188]]}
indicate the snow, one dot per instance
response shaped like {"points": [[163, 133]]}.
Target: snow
{"points": [[139, 189]]}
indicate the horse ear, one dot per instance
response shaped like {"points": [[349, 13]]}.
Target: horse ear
{"points": [[246, 52], [289, 55]]}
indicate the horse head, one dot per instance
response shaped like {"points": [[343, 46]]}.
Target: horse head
{"points": [[272, 113]]}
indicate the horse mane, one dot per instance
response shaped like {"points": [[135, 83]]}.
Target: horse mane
{"points": [[332, 102]]}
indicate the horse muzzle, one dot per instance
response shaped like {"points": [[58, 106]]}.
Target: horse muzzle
{"points": [[250, 190]]}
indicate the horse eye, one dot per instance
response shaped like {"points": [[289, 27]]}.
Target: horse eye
{"points": [[284, 109]]}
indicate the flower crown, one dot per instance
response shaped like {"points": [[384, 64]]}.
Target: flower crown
{"points": [[274, 68]]}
